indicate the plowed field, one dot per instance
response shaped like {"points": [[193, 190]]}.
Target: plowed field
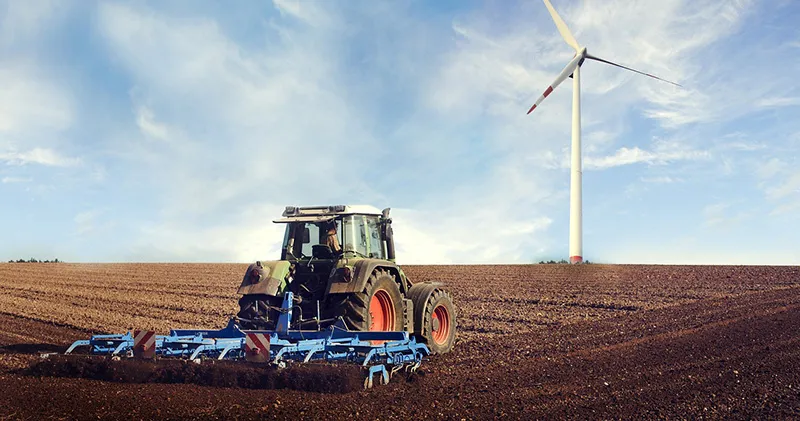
{"points": [[538, 341]]}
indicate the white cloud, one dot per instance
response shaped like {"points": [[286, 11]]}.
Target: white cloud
{"points": [[440, 237], [23, 20], [715, 213], [149, 126], [9, 180], [791, 208], [237, 120], [29, 103], [626, 156], [307, 12], [775, 102], [246, 237], [664, 179], [770, 168], [790, 186], [85, 221], [724, 215], [41, 156]]}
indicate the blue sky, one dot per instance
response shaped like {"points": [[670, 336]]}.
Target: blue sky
{"points": [[176, 131]]}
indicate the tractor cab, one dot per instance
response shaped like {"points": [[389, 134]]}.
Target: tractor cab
{"points": [[320, 240], [334, 232]]}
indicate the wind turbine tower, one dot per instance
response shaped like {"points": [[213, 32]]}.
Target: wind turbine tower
{"points": [[573, 69]]}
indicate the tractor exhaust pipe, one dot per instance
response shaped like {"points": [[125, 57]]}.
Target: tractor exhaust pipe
{"points": [[388, 234]]}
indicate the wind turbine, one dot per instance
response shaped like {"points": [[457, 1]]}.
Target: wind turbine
{"points": [[573, 70]]}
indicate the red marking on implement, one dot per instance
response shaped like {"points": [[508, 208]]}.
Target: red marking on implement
{"points": [[534, 106], [144, 343], [256, 347], [548, 91]]}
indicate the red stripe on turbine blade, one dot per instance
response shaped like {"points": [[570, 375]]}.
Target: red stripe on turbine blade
{"points": [[532, 108], [548, 91]]}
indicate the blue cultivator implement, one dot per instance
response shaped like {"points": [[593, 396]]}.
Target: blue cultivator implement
{"points": [[380, 353]]}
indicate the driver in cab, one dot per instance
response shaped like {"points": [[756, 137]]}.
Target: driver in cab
{"points": [[331, 239]]}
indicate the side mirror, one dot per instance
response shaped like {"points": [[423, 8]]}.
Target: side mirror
{"points": [[385, 213], [306, 236]]}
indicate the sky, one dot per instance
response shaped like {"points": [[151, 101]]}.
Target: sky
{"points": [[149, 131]]}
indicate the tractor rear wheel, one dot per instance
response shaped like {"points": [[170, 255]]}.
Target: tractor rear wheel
{"points": [[257, 312], [379, 307], [434, 317]]}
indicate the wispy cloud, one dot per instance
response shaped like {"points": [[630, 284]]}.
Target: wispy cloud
{"points": [[85, 221], [41, 156], [10, 180], [770, 168], [718, 215], [626, 156], [307, 12], [29, 103], [146, 122], [660, 180], [789, 186], [775, 102]]}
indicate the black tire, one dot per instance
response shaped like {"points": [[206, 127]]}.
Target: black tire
{"points": [[427, 298], [255, 312], [354, 308]]}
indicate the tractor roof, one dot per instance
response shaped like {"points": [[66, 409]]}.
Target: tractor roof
{"points": [[322, 213]]}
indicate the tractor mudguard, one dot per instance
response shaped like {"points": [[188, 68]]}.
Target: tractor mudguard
{"points": [[362, 270], [268, 278]]}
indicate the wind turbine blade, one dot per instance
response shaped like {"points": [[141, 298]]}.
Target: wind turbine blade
{"points": [[562, 27], [589, 56], [571, 66]]}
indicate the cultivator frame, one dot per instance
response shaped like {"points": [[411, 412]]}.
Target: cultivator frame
{"points": [[379, 353]]}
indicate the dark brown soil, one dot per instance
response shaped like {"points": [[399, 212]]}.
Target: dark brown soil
{"points": [[621, 342], [323, 378]]}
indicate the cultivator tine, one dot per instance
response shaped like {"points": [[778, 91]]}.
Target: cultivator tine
{"points": [[144, 344], [376, 369]]}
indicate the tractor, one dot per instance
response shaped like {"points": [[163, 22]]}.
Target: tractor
{"points": [[338, 262]]}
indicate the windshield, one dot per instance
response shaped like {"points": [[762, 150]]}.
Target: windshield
{"points": [[301, 238], [329, 239]]}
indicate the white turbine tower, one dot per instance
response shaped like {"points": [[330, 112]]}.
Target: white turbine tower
{"points": [[573, 68]]}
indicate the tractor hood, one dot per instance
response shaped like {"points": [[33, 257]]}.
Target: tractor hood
{"points": [[270, 278]]}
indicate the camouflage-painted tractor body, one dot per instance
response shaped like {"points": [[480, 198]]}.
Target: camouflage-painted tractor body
{"points": [[339, 262]]}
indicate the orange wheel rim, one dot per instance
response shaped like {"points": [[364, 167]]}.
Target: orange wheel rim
{"points": [[381, 312], [441, 325]]}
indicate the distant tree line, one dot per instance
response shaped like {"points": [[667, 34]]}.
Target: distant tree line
{"points": [[32, 260], [562, 261]]}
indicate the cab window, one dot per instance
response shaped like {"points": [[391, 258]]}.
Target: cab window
{"points": [[375, 243]]}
